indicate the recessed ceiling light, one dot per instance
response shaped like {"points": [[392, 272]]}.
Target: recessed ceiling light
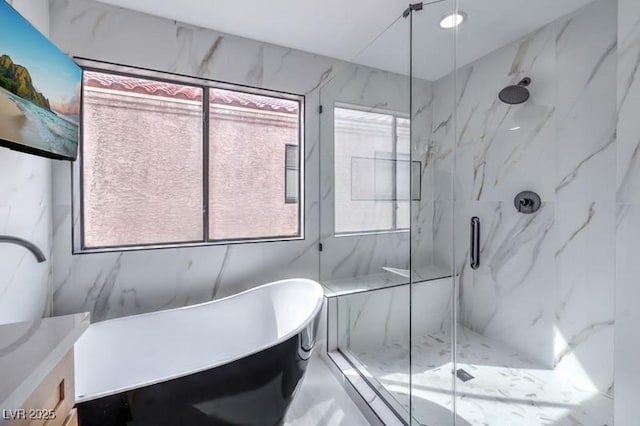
{"points": [[452, 20]]}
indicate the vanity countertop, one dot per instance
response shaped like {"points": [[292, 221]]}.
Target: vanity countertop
{"points": [[30, 350]]}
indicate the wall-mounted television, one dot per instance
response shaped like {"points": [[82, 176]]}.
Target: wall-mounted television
{"points": [[40, 91]]}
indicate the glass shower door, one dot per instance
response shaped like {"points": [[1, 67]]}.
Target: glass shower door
{"points": [[534, 171], [432, 285], [365, 171], [468, 212]]}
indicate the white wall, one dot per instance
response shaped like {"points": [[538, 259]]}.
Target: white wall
{"points": [[116, 284], [25, 211]]}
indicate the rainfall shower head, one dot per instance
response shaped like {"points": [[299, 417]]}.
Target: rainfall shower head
{"points": [[517, 94]]}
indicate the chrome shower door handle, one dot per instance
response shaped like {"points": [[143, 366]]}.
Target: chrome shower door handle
{"points": [[474, 249]]}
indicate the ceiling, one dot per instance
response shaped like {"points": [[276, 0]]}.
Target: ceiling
{"points": [[364, 31], [336, 28], [490, 24]]}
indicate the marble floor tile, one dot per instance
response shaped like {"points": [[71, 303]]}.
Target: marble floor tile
{"points": [[322, 401], [506, 388]]}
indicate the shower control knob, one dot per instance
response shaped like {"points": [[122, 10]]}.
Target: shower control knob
{"points": [[527, 202], [517, 93]]}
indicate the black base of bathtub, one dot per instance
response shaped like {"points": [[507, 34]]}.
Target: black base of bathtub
{"points": [[255, 390]]}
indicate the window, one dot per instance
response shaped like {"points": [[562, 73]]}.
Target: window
{"points": [[248, 139], [167, 163], [375, 179]]}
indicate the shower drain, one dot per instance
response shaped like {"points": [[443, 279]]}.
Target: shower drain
{"points": [[463, 375]]}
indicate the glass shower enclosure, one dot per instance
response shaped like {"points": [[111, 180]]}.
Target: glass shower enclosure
{"points": [[468, 212]]}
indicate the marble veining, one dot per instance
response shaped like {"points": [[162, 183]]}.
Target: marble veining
{"points": [[584, 306], [506, 385], [363, 255], [545, 284], [516, 250], [371, 319], [544, 289], [112, 285]]}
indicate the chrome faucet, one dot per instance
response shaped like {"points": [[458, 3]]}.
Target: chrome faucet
{"points": [[26, 244]]}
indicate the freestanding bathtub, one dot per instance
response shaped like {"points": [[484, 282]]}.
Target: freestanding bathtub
{"points": [[232, 361]]}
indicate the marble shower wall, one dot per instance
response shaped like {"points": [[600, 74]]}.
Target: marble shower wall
{"points": [[426, 217], [546, 281], [627, 336], [117, 284], [25, 211], [370, 320], [365, 254], [373, 320]]}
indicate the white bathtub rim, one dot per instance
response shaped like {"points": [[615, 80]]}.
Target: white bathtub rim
{"points": [[221, 362], [210, 302]]}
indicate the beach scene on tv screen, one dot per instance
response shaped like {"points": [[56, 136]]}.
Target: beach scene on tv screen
{"points": [[39, 89]]}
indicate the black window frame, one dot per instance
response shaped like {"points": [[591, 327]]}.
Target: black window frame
{"points": [[77, 167]]}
